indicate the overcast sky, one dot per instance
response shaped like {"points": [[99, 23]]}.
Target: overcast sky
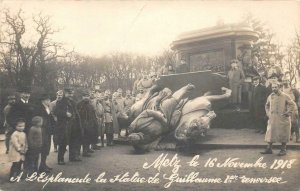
{"points": [[148, 27]]}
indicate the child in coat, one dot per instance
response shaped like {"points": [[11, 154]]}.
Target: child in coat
{"points": [[35, 143], [17, 148]]}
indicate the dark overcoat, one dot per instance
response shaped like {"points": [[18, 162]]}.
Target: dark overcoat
{"points": [[20, 110], [67, 128], [89, 121]]}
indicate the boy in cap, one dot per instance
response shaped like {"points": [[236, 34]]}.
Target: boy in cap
{"points": [[35, 143]]}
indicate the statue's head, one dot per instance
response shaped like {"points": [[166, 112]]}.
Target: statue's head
{"points": [[195, 127]]}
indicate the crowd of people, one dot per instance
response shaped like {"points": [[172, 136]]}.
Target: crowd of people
{"points": [[81, 126], [274, 104], [32, 125]]}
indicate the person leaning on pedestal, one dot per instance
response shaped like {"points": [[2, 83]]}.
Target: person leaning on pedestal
{"points": [[279, 108], [236, 77]]}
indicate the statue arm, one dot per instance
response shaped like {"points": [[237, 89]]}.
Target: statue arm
{"points": [[227, 94]]}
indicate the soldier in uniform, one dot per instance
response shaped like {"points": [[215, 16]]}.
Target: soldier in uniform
{"points": [[279, 108], [108, 119], [68, 129], [145, 83], [128, 102], [99, 111], [89, 123], [236, 78]]}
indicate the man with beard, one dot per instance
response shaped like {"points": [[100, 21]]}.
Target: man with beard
{"points": [[52, 105], [21, 109], [68, 129], [89, 123], [279, 108], [8, 129], [42, 109]]}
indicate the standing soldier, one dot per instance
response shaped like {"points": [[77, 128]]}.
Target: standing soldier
{"points": [[68, 129], [108, 119], [89, 124], [236, 78], [119, 98], [279, 108], [128, 102], [42, 109], [8, 129], [52, 105], [294, 95], [99, 110]]}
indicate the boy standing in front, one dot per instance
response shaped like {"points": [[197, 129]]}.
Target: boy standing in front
{"points": [[35, 143]]}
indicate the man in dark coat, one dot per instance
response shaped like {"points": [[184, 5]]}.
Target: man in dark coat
{"points": [[42, 109], [68, 127], [8, 129], [21, 109], [89, 123], [259, 99]]}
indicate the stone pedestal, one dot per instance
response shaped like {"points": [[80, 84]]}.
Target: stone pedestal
{"points": [[213, 48]]}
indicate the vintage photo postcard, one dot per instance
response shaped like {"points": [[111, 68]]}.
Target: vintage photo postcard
{"points": [[149, 95]]}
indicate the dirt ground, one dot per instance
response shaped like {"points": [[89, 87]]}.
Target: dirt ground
{"points": [[121, 159]]}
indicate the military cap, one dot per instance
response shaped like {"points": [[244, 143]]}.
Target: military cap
{"points": [[11, 97], [68, 89]]}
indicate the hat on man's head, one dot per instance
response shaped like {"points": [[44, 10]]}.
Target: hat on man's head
{"points": [[234, 61], [256, 78], [85, 93], [60, 92], [68, 90], [44, 96], [24, 89], [245, 46]]}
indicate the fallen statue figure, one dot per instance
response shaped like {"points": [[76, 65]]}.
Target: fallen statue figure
{"points": [[162, 112]]}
